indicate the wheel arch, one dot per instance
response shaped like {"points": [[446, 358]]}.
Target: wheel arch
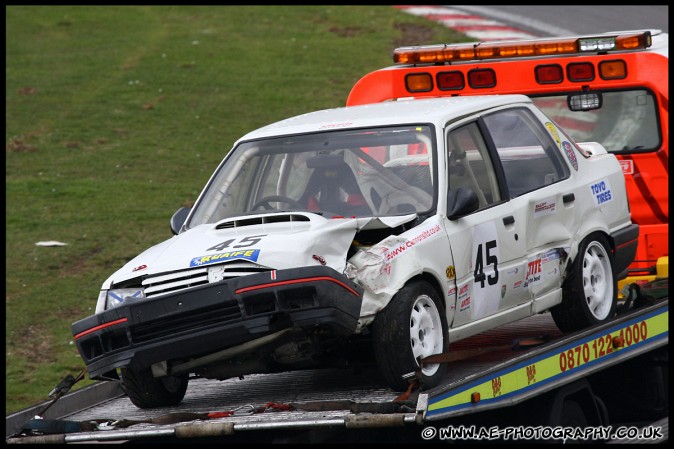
{"points": [[587, 298], [575, 248], [431, 279], [409, 328]]}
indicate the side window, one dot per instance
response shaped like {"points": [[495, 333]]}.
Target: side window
{"points": [[529, 156], [470, 165]]}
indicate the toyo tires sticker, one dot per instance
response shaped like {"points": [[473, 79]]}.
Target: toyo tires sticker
{"points": [[601, 192]]}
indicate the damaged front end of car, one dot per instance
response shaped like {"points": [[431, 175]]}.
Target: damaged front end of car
{"points": [[235, 313]]}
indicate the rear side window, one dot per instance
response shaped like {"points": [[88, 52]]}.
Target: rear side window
{"points": [[530, 158]]}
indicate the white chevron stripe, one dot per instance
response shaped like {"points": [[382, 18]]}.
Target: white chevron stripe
{"points": [[460, 20]]}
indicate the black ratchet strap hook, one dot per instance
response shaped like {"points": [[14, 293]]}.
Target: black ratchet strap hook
{"points": [[62, 388]]}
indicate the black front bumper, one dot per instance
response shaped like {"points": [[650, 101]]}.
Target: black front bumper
{"points": [[212, 317]]}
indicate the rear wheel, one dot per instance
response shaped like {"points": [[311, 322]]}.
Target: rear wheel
{"points": [[146, 391], [412, 326], [590, 293]]}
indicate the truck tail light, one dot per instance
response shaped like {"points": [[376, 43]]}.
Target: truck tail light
{"points": [[419, 82], [549, 74], [613, 70], [582, 71], [481, 78], [451, 80]]}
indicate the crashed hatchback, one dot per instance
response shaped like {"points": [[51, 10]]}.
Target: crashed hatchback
{"points": [[398, 227]]}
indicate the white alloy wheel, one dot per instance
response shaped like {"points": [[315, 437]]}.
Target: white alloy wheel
{"points": [[412, 326], [426, 334], [590, 290], [597, 280]]}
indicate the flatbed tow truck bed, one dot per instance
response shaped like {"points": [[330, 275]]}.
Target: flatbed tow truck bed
{"points": [[502, 367]]}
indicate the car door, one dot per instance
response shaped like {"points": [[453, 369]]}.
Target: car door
{"points": [[541, 197], [488, 245]]}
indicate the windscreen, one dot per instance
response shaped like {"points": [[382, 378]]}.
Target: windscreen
{"points": [[351, 173], [627, 121]]}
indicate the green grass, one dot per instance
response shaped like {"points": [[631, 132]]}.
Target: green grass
{"points": [[117, 115]]}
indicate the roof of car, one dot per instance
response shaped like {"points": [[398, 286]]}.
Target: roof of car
{"points": [[386, 113]]}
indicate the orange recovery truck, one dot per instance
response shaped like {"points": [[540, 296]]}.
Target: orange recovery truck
{"points": [[611, 88]]}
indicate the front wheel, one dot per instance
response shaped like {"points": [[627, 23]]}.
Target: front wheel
{"points": [[412, 326], [146, 391], [590, 293]]}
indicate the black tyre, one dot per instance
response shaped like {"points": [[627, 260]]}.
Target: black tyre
{"points": [[590, 293], [146, 391], [412, 326]]}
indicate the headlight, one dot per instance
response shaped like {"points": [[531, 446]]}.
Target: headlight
{"points": [[120, 296]]}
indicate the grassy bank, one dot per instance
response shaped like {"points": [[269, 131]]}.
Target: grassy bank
{"points": [[117, 115]]}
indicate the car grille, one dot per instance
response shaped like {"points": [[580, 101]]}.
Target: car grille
{"points": [[184, 279], [185, 322]]}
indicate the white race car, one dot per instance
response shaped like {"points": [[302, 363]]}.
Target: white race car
{"points": [[396, 227]]}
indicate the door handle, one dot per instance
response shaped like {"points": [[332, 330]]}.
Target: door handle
{"points": [[568, 198], [508, 220]]}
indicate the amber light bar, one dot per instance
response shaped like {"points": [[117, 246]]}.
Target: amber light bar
{"points": [[447, 53]]}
